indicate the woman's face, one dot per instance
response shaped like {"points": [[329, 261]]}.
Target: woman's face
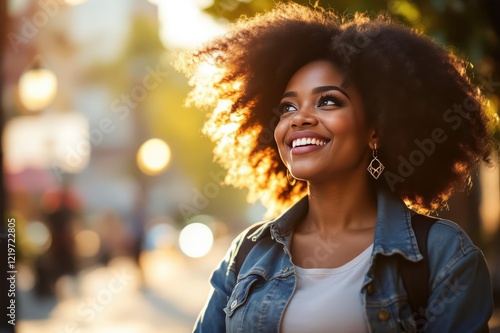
{"points": [[322, 134]]}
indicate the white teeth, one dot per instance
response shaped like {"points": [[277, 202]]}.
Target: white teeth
{"points": [[308, 141]]}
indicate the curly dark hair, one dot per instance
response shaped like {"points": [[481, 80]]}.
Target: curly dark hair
{"points": [[433, 122]]}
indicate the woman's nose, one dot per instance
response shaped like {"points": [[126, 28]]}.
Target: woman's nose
{"points": [[304, 117]]}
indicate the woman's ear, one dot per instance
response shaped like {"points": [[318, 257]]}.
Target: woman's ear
{"points": [[374, 138]]}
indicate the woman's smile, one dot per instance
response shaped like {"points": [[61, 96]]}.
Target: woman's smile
{"points": [[304, 148], [304, 142]]}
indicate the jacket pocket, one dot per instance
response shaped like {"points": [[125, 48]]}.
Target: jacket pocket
{"points": [[240, 294]]}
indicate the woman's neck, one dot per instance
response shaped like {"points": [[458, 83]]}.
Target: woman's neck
{"points": [[340, 206]]}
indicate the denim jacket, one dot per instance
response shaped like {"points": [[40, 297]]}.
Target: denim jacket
{"points": [[460, 290]]}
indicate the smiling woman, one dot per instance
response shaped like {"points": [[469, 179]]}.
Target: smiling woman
{"points": [[353, 104]]}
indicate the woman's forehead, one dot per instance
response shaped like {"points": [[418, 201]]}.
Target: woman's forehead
{"points": [[317, 73]]}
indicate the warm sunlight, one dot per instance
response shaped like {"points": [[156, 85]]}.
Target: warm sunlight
{"points": [[183, 24]]}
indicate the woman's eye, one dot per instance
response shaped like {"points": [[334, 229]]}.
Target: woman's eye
{"points": [[287, 107], [328, 101]]}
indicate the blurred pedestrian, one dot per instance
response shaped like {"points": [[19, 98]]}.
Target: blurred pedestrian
{"points": [[60, 258]]}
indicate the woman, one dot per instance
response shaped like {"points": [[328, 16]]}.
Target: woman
{"points": [[372, 119]]}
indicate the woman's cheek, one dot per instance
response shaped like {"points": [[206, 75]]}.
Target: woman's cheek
{"points": [[280, 132]]}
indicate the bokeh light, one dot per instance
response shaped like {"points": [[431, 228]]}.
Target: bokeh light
{"points": [[160, 236], [27, 279], [74, 2], [196, 240], [57, 141], [38, 235], [153, 157], [37, 88], [88, 243]]}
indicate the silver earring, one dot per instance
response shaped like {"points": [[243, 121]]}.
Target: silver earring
{"points": [[291, 180], [376, 167]]}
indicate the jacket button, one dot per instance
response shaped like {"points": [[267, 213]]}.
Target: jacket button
{"points": [[369, 289], [383, 315], [233, 304]]}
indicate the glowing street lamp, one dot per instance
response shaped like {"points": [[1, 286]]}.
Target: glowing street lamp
{"points": [[37, 88], [153, 157]]}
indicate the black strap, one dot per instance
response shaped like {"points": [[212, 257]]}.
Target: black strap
{"points": [[415, 275]]}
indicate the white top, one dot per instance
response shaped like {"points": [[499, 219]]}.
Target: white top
{"points": [[328, 299]]}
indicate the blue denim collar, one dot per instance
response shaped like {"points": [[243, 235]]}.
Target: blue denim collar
{"points": [[393, 231]]}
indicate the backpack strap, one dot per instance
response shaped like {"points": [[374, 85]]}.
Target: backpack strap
{"points": [[245, 246], [415, 275]]}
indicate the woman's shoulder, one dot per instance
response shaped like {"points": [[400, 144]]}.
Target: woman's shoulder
{"points": [[447, 235], [451, 251]]}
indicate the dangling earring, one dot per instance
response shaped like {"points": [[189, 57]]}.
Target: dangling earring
{"points": [[376, 167], [291, 180]]}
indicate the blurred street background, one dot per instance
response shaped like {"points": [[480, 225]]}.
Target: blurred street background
{"points": [[119, 211]]}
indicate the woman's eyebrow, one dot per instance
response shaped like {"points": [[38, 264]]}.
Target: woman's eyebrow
{"points": [[321, 89], [317, 90], [289, 94]]}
